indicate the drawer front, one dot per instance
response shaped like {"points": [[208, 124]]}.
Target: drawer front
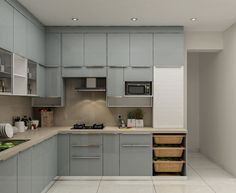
{"points": [[86, 140], [136, 140]]}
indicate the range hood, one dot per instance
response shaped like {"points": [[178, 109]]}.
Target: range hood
{"points": [[91, 84]]}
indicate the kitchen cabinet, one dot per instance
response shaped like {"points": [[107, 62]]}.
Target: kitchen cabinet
{"points": [[138, 74], [41, 76], [111, 151], [86, 155], [6, 26], [141, 49], [53, 82], [169, 50], [63, 156], [115, 82], [8, 175], [95, 49], [53, 49], [20, 34], [135, 154], [118, 49], [72, 72], [72, 50], [24, 171]]}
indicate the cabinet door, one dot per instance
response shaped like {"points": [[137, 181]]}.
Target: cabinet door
{"points": [[111, 151], [63, 155], [20, 34], [138, 74], [95, 49], [53, 49], [115, 82], [41, 80], [72, 50], [118, 49], [135, 155], [141, 49], [8, 175], [169, 50], [6, 26], [53, 82], [24, 171], [53, 158]]}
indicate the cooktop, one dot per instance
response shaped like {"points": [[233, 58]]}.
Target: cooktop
{"points": [[84, 126]]}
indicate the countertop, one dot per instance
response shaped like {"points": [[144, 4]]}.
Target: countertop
{"points": [[41, 134]]}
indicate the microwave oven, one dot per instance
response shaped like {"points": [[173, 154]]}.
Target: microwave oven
{"points": [[138, 88]]}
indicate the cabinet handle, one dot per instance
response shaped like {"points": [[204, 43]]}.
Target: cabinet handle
{"points": [[92, 145], [133, 145], [94, 157]]}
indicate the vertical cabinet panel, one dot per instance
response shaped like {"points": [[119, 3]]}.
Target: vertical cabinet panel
{"points": [[20, 34], [41, 80], [118, 49], [24, 171], [53, 82], [8, 175], [53, 49], [95, 49], [115, 82], [141, 49], [63, 155], [169, 50], [135, 155], [72, 50], [6, 26], [111, 157]]}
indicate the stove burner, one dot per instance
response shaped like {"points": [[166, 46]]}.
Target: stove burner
{"points": [[83, 126]]}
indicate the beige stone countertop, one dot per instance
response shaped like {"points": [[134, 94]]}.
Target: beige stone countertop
{"points": [[41, 134]]}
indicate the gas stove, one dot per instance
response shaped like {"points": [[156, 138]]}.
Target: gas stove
{"points": [[84, 126]]}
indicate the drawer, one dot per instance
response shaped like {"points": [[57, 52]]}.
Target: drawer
{"points": [[136, 140], [86, 140], [168, 139]]}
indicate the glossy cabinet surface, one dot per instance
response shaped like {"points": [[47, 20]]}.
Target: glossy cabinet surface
{"points": [[63, 156], [115, 82], [135, 155], [6, 26], [169, 50], [141, 49], [118, 49]]}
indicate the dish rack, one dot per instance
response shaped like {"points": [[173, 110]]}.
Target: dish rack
{"points": [[169, 154]]}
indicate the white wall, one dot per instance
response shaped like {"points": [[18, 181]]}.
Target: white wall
{"points": [[218, 103], [193, 101]]}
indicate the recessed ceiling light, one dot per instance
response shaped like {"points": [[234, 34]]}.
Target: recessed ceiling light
{"points": [[134, 19], [75, 19], [193, 19]]}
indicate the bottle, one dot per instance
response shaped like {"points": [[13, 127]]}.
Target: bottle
{"points": [[121, 122]]}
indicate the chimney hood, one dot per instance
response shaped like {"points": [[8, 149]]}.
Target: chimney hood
{"points": [[91, 84]]}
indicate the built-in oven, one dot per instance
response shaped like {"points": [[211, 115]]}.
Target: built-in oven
{"points": [[138, 88]]}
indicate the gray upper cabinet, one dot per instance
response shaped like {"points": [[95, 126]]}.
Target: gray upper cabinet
{"points": [[63, 150], [169, 50], [8, 175], [6, 26], [53, 82], [141, 49], [95, 49], [135, 155], [53, 49], [72, 50], [24, 171], [20, 33], [138, 74], [41, 80], [115, 82], [111, 152], [118, 49]]}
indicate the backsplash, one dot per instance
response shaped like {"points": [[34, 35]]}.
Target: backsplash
{"points": [[14, 106], [91, 107]]}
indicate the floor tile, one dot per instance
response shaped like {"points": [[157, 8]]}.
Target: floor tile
{"points": [[75, 187], [201, 162], [126, 187], [127, 178], [224, 186]]}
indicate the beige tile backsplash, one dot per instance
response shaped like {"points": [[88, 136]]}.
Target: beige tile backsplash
{"points": [[14, 106], [90, 107]]}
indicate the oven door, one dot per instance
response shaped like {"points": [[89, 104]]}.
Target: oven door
{"points": [[135, 89]]}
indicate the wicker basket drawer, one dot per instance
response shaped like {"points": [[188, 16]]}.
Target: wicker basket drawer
{"points": [[168, 151], [168, 166], [168, 139]]}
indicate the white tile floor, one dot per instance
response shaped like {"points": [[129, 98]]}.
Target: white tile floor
{"points": [[203, 177]]}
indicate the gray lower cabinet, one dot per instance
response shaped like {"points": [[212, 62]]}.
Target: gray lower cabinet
{"points": [[24, 171], [111, 155], [63, 156], [86, 155], [135, 154], [8, 175], [115, 82], [6, 26], [169, 50]]}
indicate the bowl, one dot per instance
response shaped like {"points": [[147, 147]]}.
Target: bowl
{"points": [[35, 122]]}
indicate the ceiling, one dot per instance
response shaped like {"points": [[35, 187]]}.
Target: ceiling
{"points": [[212, 15]]}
